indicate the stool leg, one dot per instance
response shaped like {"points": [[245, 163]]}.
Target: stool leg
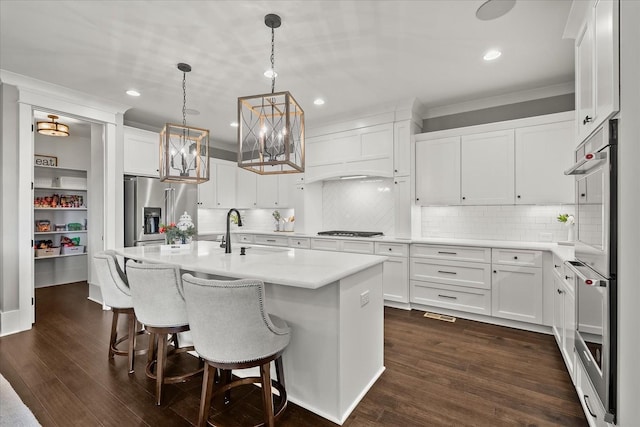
{"points": [[152, 347], [161, 358], [206, 394], [132, 340], [280, 371], [114, 333], [267, 396]]}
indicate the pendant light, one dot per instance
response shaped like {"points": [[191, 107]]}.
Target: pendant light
{"points": [[52, 128], [271, 126], [184, 150]]}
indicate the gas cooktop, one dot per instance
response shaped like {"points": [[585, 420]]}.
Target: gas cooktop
{"points": [[343, 233]]}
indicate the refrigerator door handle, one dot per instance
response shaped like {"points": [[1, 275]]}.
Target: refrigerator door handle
{"points": [[169, 206]]}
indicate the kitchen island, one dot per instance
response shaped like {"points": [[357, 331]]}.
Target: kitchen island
{"points": [[332, 302]]}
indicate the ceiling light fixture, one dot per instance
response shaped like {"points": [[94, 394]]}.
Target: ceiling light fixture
{"points": [[493, 9], [184, 150], [491, 55], [319, 101], [271, 126], [270, 74], [133, 92], [52, 128]]}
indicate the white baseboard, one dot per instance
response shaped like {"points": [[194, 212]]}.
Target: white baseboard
{"points": [[10, 322]]}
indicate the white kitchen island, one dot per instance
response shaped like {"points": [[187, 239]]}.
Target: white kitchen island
{"points": [[332, 301]]}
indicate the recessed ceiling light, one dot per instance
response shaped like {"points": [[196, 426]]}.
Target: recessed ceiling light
{"points": [[132, 92], [270, 74], [319, 101], [233, 124], [192, 112], [491, 55], [493, 9]]}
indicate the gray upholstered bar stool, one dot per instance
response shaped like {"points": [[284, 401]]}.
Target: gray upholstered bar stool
{"points": [[156, 290], [117, 295], [232, 330]]}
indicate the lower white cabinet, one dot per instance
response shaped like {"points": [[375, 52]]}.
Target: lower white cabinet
{"points": [[593, 409], [564, 321], [266, 239], [516, 293], [395, 280]]}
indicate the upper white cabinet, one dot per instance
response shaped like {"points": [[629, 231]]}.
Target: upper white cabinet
{"points": [[597, 67], [363, 151], [220, 190], [246, 182], [275, 191], [543, 152], [438, 171], [402, 132], [487, 165], [141, 152]]}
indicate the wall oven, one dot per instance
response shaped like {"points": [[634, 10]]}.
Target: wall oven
{"points": [[595, 264]]}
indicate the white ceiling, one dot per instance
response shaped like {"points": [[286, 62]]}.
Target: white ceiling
{"points": [[355, 54]]}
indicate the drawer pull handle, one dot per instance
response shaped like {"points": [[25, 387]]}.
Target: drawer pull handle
{"points": [[447, 272], [559, 291], [556, 266], [447, 296], [447, 253], [586, 403], [568, 278], [271, 241], [298, 242]]}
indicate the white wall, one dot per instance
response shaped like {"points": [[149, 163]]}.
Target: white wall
{"points": [[72, 151], [514, 223]]}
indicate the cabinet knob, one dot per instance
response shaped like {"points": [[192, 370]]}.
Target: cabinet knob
{"points": [[567, 277], [495, 271], [395, 182], [417, 199], [389, 249], [395, 170], [583, 195], [559, 291], [519, 196], [556, 266], [587, 119], [515, 257], [464, 198]]}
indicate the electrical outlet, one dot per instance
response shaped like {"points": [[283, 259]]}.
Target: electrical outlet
{"points": [[364, 298]]}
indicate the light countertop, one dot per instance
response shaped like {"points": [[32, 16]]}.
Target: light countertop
{"points": [[300, 268]]}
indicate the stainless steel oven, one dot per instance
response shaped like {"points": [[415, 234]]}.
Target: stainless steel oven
{"points": [[595, 264]]}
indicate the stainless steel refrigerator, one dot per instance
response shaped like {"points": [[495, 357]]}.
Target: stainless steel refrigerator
{"points": [[149, 203]]}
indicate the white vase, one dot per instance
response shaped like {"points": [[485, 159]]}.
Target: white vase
{"points": [[572, 233]]}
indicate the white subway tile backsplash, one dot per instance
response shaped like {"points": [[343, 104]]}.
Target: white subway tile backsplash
{"points": [[516, 223], [214, 220]]}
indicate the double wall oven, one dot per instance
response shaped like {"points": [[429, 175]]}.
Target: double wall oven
{"points": [[595, 264]]}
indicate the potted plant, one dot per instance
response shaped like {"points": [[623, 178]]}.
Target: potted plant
{"points": [[568, 220], [277, 217]]}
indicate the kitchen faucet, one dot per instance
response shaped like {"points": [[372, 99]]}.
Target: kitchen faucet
{"points": [[227, 246]]}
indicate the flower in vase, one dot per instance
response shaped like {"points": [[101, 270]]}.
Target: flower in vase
{"points": [[174, 235], [567, 219]]}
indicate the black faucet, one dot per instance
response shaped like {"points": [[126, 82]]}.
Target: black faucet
{"points": [[227, 246]]}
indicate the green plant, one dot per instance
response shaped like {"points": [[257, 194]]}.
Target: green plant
{"points": [[276, 216], [175, 235], [234, 218], [565, 218]]}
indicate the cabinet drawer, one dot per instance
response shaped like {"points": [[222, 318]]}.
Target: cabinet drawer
{"points": [[357, 246], [392, 249], [471, 300], [569, 278], [460, 253], [271, 240], [558, 265], [591, 405], [517, 257], [245, 238], [299, 242], [325, 244], [470, 274]]}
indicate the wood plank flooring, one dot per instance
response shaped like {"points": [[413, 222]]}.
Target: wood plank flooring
{"points": [[438, 374]]}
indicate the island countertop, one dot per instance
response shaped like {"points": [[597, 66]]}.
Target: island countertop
{"points": [[303, 268]]}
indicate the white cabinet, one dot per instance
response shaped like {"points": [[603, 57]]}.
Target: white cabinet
{"points": [[275, 191], [402, 206], [487, 166], [438, 171], [591, 405], [516, 289], [597, 67], [402, 132], [395, 280], [141, 152], [564, 321], [246, 182], [220, 190], [364, 151], [542, 153]]}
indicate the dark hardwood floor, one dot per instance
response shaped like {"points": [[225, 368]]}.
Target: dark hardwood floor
{"points": [[438, 374]]}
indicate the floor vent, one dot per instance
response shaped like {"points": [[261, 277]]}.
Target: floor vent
{"points": [[443, 317]]}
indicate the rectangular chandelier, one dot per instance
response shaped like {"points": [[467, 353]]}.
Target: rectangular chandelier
{"points": [[270, 134], [184, 154]]}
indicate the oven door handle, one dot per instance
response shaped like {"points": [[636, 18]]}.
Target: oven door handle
{"points": [[583, 165]]}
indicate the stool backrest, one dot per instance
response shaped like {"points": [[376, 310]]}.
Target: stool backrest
{"points": [[229, 322], [113, 282], [156, 290]]}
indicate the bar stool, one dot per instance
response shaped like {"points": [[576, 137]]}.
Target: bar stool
{"points": [[232, 330], [156, 291], [117, 295]]}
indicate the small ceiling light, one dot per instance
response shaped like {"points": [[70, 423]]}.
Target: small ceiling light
{"points": [[493, 9], [319, 101], [133, 92], [53, 128], [491, 55], [270, 74], [233, 124], [271, 126], [184, 150]]}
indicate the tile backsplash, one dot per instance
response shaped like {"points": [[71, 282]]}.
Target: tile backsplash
{"points": [[214, 220], [517, 223], [358, 205]]}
